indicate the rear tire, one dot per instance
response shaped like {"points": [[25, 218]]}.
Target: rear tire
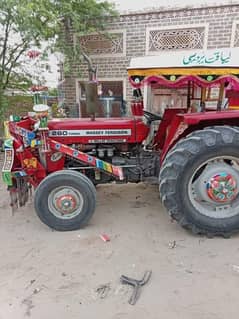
{"points": [[65, 200], [199, 181]]}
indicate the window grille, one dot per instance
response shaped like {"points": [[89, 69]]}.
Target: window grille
{"points": [[99, 44], [176, 39]]}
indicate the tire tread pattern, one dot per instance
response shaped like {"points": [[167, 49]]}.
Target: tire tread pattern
{"points": [[175, 163]]}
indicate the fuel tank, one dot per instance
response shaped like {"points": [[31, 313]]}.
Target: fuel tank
{"points": [[102, 130]]}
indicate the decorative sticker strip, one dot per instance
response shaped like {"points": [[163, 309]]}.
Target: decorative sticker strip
{"points": [[7, 166], [30, 162], [8, 143], [35, 143], [26, 134], [90, 160]]}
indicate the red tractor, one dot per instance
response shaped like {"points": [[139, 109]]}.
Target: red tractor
{"points": [[190, 149]]}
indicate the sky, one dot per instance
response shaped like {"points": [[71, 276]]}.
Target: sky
{"points": [[138, 5]]}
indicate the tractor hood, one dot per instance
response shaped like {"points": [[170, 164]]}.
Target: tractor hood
{"points": [[102, 130]]}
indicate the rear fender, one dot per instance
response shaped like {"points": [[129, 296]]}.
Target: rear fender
{"points": [[183, 124], [164, 126], [175, 132]]}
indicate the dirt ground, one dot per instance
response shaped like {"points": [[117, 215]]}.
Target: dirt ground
{"points": [[49, 274]]}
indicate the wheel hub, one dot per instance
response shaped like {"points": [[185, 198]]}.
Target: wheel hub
{"points": [[66, 204], [214, 189], [222, 187]]}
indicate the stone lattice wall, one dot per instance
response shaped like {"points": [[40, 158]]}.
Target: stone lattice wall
{"points": [[138, 34]]}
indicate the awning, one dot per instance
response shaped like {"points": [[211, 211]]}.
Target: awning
{"points": [[203, 67]]}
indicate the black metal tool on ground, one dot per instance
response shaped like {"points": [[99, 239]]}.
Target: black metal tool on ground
{"points": [[137, 284]]}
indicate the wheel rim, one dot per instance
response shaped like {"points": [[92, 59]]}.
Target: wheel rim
{"points": [[65, 202], [214, 187]]}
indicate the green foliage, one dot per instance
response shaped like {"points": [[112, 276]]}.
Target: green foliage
{"points": [[3, 105], [84, 17], [21, 29], [18, 105], [53, 92], [27, 24], [14, 105]]}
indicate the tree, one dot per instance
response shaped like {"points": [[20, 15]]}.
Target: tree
{"points": [[21, 29], [26, 25], [80, 17]]}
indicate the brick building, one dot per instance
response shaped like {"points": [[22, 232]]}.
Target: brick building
{"points": [[149, 33]]}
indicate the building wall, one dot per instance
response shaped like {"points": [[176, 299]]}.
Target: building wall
{"points": [[153, 32]]}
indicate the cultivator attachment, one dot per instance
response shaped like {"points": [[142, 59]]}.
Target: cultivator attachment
{"points": [[20, 192]]}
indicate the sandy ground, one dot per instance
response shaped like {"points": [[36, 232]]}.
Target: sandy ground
{"points": [[48, 274]]}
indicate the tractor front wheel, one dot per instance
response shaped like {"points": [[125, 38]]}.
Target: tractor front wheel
{"points": [[199, 181], [65, 200]]}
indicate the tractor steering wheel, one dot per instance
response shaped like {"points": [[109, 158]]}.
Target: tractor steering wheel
{"points": [[151, 116]]}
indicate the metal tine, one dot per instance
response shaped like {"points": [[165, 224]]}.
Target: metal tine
{"points": [[137, 284]]}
